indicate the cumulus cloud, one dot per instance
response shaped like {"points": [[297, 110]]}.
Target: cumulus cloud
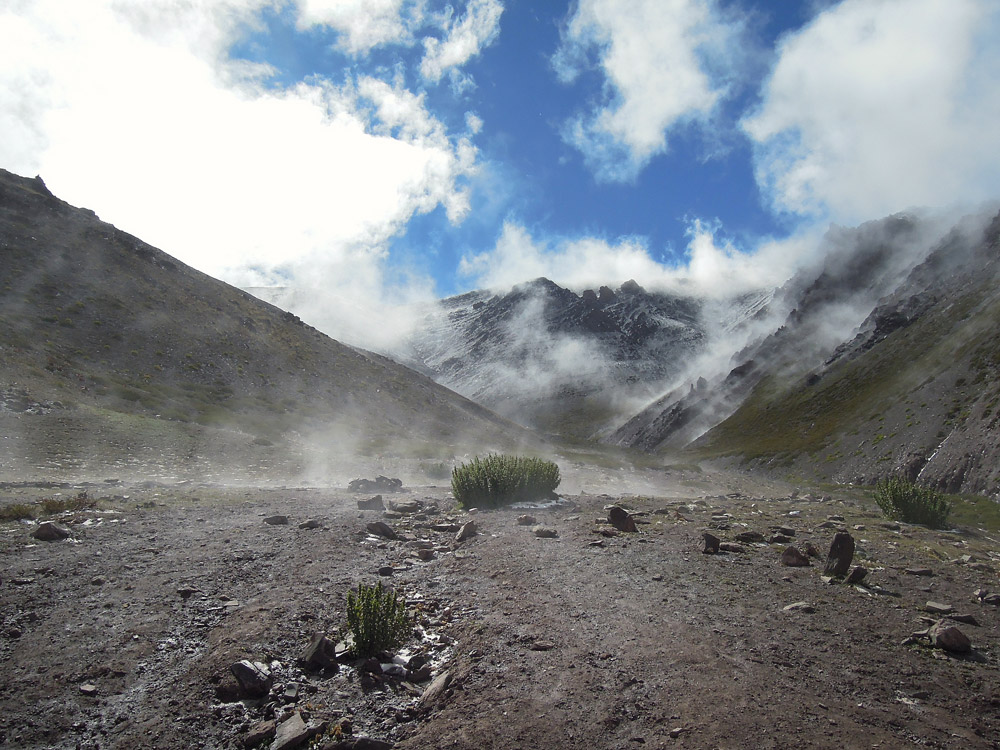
{"points": [[137, 112], [879, 105], [665, 64], [714, 269], [464, 38], [364, 24]]}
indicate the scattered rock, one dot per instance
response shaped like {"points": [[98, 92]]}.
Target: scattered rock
{"points": [[542, 646], [793, 558], [433, 693], [254, 677], [382, 529], [620, 519], [919, 572], [750, 537], [467, 531], [731, 547], [406, 507], [386, 570], [321, 653], [372, 503], [936, 608], [276, 520], [712, 543], [425, 554], [312, 523], [810, 549], [290, 733], [965, 619], [804, 607], [361, 743], [949, 638], [379, 484], [857, 575], [88, 689], [544, 532], [779, 539], [260, 733], [838, 562], [526, 520], [186, 592], [50, 531]]}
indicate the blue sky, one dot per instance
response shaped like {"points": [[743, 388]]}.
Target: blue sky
{"points": [[372, 153]]}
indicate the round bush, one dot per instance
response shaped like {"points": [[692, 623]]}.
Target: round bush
{"points": [[902, 500], [499, 479]]}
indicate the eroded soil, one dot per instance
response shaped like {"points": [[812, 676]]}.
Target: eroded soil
{"points": [[584, 640]]}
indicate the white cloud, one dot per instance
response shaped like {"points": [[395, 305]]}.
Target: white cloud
{"points": [[364, 24], [713, 269], [464, 38], [131, 110], [665, 65], [879, 105]]}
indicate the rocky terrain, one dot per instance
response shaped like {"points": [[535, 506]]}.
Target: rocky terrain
{"points": [[554, 630]]}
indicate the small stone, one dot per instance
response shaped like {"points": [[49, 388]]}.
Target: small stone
{"points": [[544, 532], [276, 520], [919, 572], [49, 531], [937, 608], [804, 607], [965, 619], [254, 677], [186, 592], [993, 599], [292, 732], [467, 531], [783, 530], [712, 543], [405, 507], [382, 529], [260, 733], [98, 581], [731, 547], [312, 523], [542, 646], [793, 558], [621, 519], [425, 554], [779, 539], [433, 693], [676, 732], [88, 689], [838, 561], [321, 653], [750, 537], [526, 520], [857, 575], [949, 638], [372, 503]]}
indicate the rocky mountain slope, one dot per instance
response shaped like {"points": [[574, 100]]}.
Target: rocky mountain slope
{"points": [[113, 354], [568, 363], [911, 389]]}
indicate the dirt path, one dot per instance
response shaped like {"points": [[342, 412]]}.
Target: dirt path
{"points": [[642, 641]]}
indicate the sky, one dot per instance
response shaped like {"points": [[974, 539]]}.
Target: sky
{"points": [[369, 154]]}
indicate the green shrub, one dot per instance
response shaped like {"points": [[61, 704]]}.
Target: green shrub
{"points": [[377, 619], [17, 512], [902, 500], [499, 479]]}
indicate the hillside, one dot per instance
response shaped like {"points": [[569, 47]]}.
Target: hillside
{"points": [[116, 356], [914, 391]]}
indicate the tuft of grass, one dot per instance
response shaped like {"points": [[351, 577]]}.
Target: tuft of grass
{"points": [[17, 512], [902, 500], [499, 479], [377, 619]]}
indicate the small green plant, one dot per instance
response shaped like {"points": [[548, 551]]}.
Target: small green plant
{"points": [[377, 619], [902, 500], [498, 479], [17, 512]]}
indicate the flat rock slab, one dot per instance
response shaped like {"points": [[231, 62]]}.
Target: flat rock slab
{"points": [[382, 529], [804, 607], [838, 561], [49, 531], [372, 503], [276, 520], [794, 558], [937, 608], [949, 638], [290, 733], [467, 531]]}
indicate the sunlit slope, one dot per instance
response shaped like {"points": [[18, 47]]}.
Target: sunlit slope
{"points": [[915, 393], [95, 323]]}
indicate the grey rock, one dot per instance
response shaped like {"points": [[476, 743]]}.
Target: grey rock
{"points": [[526, 520], [804, 607], [88, 689], [254, 677], [950, 638], [937, 608], [386, 570], [857, 575], [732, 547], [260, 733], [544, 532], [405, 507], [321, 653], [434, 692], [838, 561], [712, 543], [276, 520], [50, 531], [919, 572], [312, 523], [425, 554], [750, 537], [290, 733], [793, 558], [382, 529], [467, 531], [621, 519], [372, 503], [779, 539]]}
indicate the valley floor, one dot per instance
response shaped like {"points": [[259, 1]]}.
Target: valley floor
{"points": [[122, 636]]}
